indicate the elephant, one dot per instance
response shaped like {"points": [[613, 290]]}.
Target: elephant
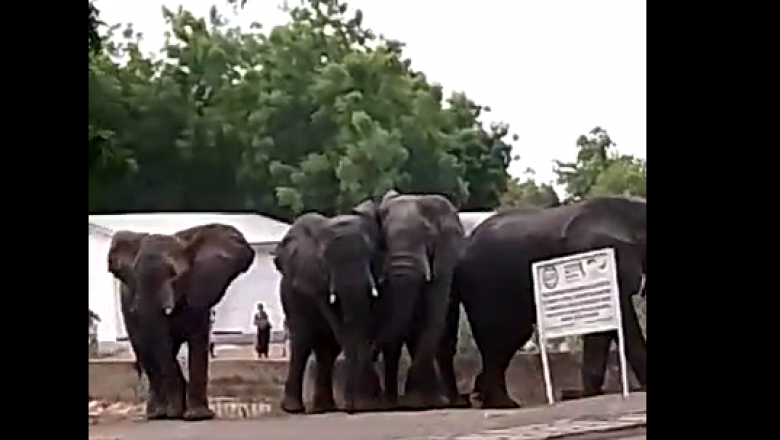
{"points": [[169, 285], [421, 237], [493, 282], [327, 294]]}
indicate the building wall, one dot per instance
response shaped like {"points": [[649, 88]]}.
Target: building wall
{"points": [[259, 284], [102, 288]]}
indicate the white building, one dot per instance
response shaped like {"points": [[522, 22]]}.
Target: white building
{"points": [[234, 312], [471, 220]]}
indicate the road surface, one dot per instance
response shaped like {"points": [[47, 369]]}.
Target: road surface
{"points": [[582, 416]]}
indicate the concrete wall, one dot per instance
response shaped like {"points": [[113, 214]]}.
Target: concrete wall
{"points": [[264, 380]]}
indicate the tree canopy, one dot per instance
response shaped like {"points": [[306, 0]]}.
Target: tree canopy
{"points": [[314, 114], [599, 170]]}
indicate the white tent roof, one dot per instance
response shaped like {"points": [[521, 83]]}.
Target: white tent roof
{"points": [[256, 228], [471, 220]]}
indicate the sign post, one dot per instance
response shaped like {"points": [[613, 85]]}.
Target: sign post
{"points": [[576, 295]]}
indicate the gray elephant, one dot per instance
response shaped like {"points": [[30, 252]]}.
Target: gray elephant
{"points": [[421, 237], [494, 283], [326, 292], [169, 285]]}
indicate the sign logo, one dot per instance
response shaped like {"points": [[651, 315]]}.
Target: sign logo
{"points": [[549, 276], [597, 264]]}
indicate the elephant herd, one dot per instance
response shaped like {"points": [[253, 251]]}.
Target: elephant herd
{"points": [[393, 272]]}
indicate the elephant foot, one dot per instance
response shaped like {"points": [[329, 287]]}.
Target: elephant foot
{"points": [[418, 400], [415, 401], [174, 410], [572, 394], [198, 413], [437, 401], [292, 406], [156, 412], [459, 401], [483, 401], [390, 402], [323, 405], [361, 405]]}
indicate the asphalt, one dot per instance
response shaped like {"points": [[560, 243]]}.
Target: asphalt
{"points": [[586, 417]]}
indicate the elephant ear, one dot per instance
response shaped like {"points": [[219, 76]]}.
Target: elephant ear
{"points": [[282, 254], [217, 242], [122, 252], [214, 255], [390, 194], [367, 209], [297, 256]]}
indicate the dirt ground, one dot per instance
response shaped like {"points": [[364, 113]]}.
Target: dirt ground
{"points": [[597, 416], [235, 373]]}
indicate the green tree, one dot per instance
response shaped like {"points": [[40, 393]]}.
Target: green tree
{"points": [[525, 191], [95, 40], [316, 114], [107, 163], [625, 174], [599, 170]]}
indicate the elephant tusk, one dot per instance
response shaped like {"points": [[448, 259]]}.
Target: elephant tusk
{"points": [[332, 298], [168, 311]]}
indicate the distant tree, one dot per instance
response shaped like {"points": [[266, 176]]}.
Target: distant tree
{"points": [[624, 174], [526, 191], [599, 170]]}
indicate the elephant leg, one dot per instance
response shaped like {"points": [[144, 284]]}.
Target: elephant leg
{"points": [[155, 401], [300, 349], [323, 386], [422, 381], [198, 359], [445, 358], [162, 347], [636, 346], [595, 352], [490, 384], [391, 356], [497, 340], [176, 386]]}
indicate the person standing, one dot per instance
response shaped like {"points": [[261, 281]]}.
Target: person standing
{"points": [[94, 319], [263, 326]]}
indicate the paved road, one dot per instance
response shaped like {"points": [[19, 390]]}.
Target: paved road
{"points": [[531, 423]]}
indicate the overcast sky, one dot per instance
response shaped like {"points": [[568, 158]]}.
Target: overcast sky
{"points": [[552, 69]]}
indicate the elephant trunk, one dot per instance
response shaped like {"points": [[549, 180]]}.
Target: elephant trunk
{"points": [[402, 294], [405, 274], [352, 286], [356, 320], [154, 337]]}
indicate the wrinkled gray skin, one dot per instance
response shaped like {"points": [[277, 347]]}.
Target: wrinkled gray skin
{"points": [[493, 281], [326, 292], [169, 285], [421, 237]]}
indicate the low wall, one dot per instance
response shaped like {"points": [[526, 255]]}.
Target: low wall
{"points": [[116, 380]]}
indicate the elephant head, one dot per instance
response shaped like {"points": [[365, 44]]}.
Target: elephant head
{"points": [[157, 267], [330, 260], [420, 239]]}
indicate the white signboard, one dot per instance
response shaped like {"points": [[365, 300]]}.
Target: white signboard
{"points": [[576, 295]]}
